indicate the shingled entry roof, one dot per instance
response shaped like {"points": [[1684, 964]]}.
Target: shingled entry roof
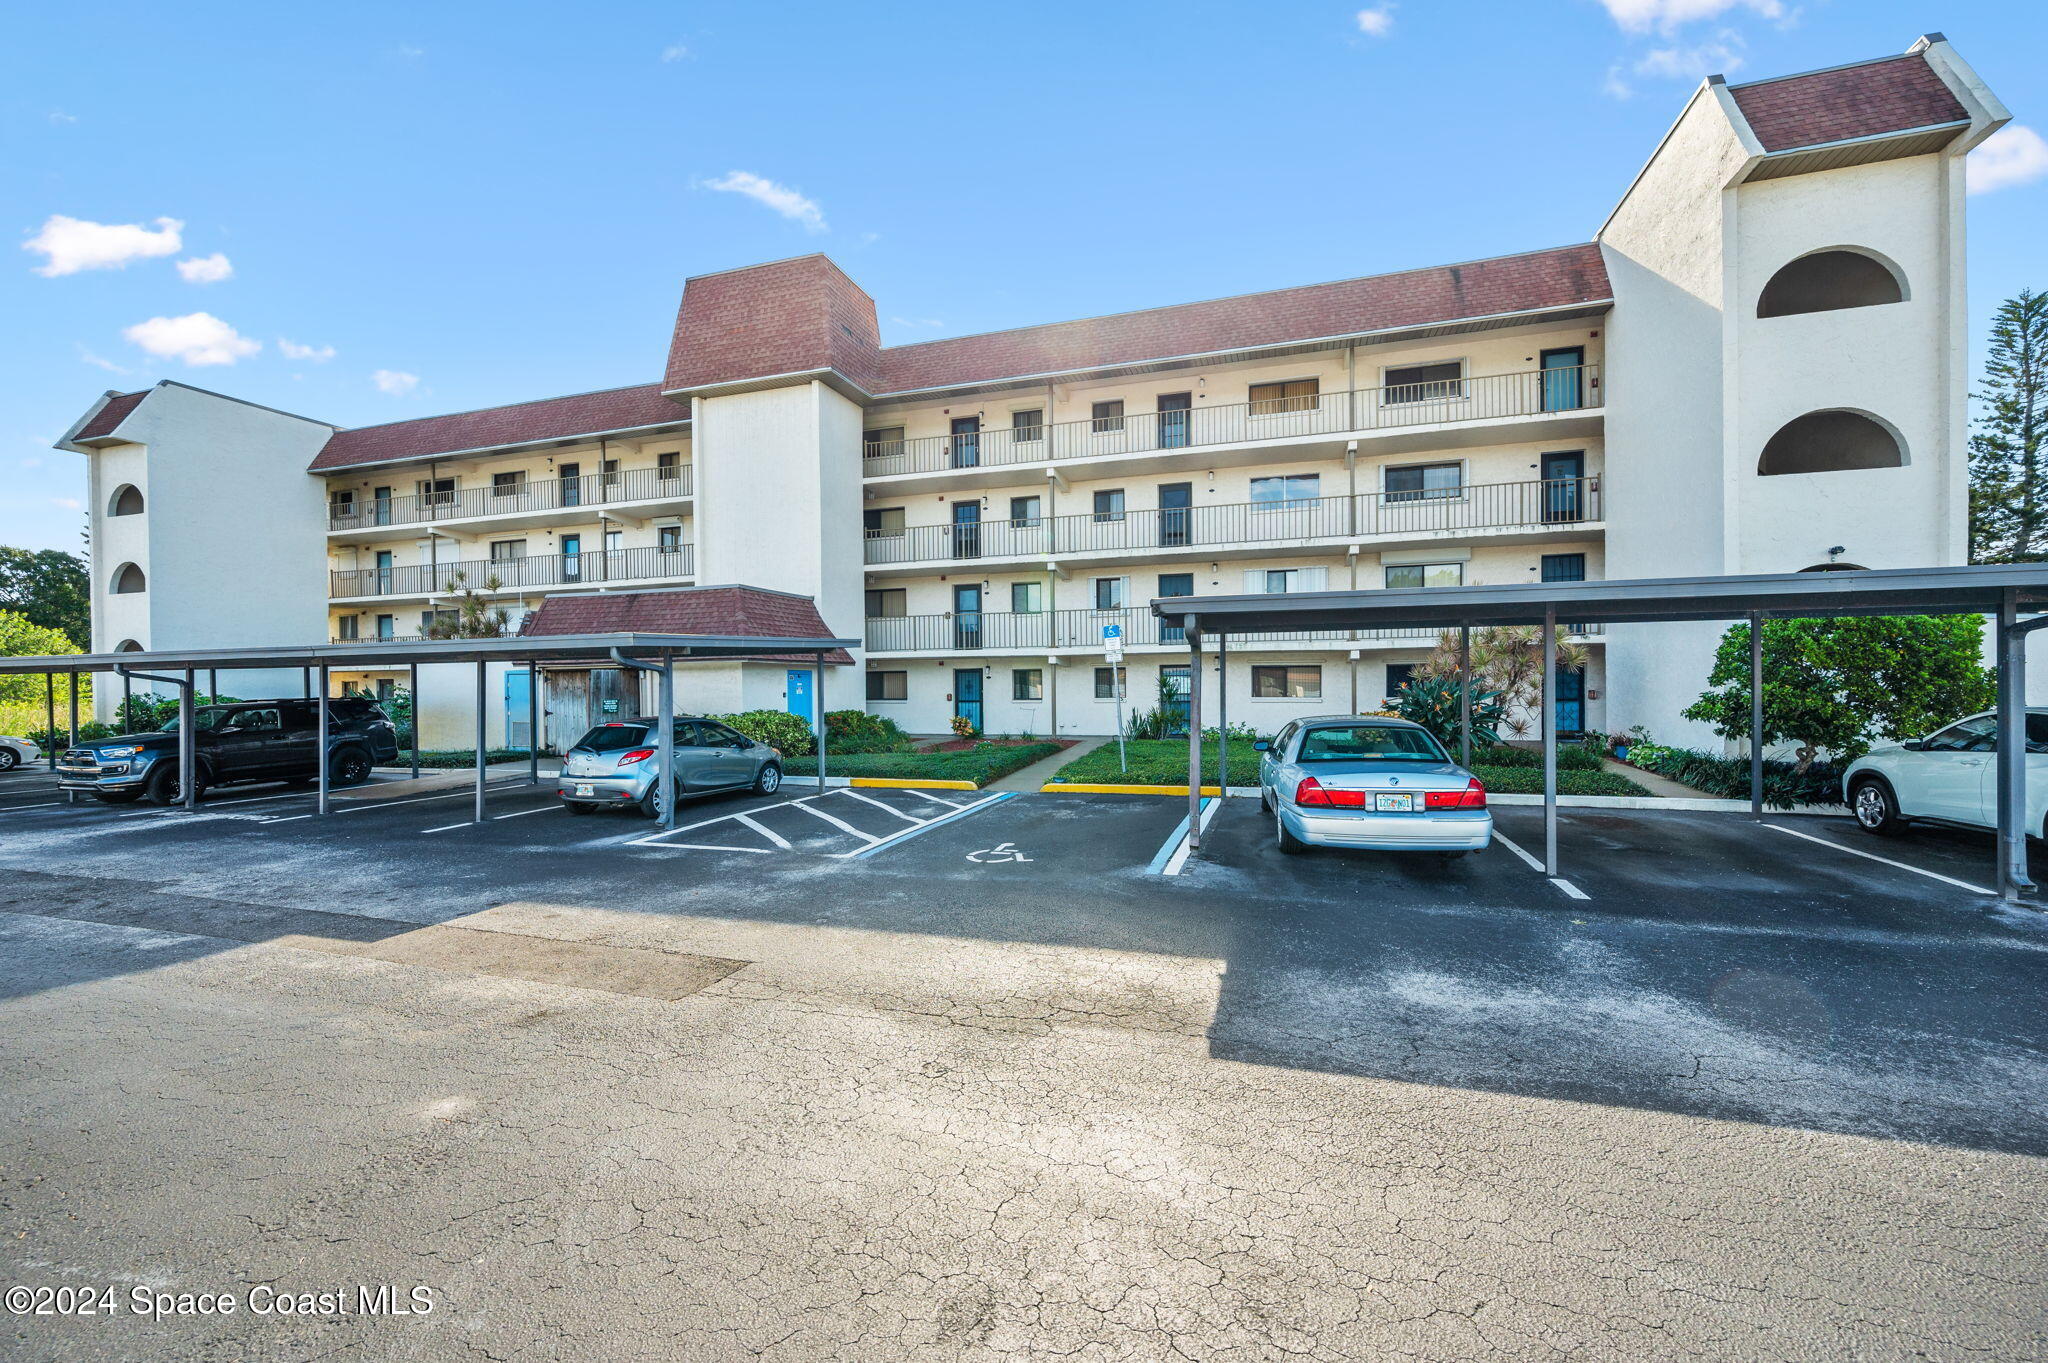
{"points": [[738, 611], [108, 417], [613, 409], [1888, 96]]}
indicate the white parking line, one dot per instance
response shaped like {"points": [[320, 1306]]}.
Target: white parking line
{"points": [[708, 847], [835, 821], [1179, 858], [864, 799], [927, 795], [1872, 856], [537, 809], [1509, 843], [764, 831], [447, 826], [1574, 891]]}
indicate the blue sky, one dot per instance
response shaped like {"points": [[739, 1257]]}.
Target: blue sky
{"points": [[379, 211]]}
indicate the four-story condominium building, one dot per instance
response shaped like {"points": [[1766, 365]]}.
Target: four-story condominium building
{"points": [[1756, 365]]}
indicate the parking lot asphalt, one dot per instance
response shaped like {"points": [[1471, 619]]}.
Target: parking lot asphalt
{"points": [[898, 1074]]}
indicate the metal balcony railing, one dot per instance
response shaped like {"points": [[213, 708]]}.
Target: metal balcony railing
{"points": [[514, 574], [528, 494], [1484, 397], [1483, 506], [992, 631]]}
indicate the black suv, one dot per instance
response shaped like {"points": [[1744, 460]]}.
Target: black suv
{"points": [[251, 740]]}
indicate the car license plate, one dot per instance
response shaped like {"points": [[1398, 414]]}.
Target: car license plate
{"points": [[1400, 803], [584, 790]]}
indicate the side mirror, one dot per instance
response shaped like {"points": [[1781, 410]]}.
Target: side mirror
{"points": [[1261, 745], [1914, 745]]}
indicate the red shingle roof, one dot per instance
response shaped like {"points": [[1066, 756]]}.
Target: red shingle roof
{"points": [[1891, 95], [614, 409], [742, 611], [784, 317], [108, 417]]}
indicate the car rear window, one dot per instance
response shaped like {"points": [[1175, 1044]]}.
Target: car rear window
{"points": [[1368, 743], [613, 738]]}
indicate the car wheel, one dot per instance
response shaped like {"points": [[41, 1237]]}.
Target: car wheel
{"points": [[164, 788], [9, 759], [1876, 809], [349, 767], [650, 804], [117, 797], [1288, 842], [1265, 799], [769, 781]]}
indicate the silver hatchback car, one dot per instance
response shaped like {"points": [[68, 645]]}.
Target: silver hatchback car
{"points": [[1371, 782], [616, 765]]}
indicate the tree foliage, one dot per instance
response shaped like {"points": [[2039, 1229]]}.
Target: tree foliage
{"points": [[474, 616], [21, 637], [2009, 451], [49, 588], [1507, 663], [1837, 686]]}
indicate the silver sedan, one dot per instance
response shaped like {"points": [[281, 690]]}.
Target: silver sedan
{"points": [[617, 765], [1371, 782], [17, 752]]}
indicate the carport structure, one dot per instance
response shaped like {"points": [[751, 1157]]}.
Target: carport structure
{"points": [[657, 653], [2001, 591]]}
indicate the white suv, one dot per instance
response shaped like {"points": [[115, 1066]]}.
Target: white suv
{"points": [[1951, 776]]}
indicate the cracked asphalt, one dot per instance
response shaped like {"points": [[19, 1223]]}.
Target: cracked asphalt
{"points": [[1754, 1098]]}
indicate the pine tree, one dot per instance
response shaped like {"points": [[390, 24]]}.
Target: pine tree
{"points": [[2009, 452]]}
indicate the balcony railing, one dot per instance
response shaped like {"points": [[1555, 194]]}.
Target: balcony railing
{"points": [[1485, 397], [994, 631], [1484, 506], [513, 574], [529, 494]]}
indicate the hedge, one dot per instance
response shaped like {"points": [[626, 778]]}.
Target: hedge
{"points": [[981, 764], [1523, 780], [1154, 762], [1728, 777]]}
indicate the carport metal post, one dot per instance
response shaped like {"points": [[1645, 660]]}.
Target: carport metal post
{"points": [[412, 683], [1756, 715], [1549, 704], [188, 745], [2013, 879], [1222, 716], [533, 723], [1464, 695], [482, 763], [1193, 628], [321, 726], [819, 700], [74, 709], [50, 713]]}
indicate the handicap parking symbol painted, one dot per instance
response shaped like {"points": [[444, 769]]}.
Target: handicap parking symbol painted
{"points": [[994, 856]]}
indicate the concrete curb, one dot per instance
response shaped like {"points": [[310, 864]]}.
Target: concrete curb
{"points": [[881, 783]]}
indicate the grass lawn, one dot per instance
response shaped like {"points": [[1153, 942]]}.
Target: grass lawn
{"points": [[1164, 762], [980, 765]]}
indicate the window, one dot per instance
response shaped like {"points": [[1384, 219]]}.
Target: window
{"points": [[506, 551], [1109, 504], [1398, 676], [668, 465], [1424, 382], [128, 502], [1831, 442], [1109, 593], [349, 626], [1028, 425], [507, 484], [1369, 742], [1027, 598], [1424, 482], [888, 686], [445, 619], [883, 522], [1258, 580], [1288, 395], [1027, 683], [127, 580], [341, 503], [609, 470], [1425, 574], [1827, 280], [883, 440], [612, 540], [437, 491], [1282, 579], [1026, 510], [668, 538], [1564, 568], [1290, 681], [1108, 416], [888, 603], [1972, 735], [1286, 492], [1110, 682]]}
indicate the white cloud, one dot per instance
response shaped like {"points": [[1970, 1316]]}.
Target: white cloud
{"points": [[1378, 21], [102, 362], [197, 338], [68, 503], [674, 52], [205, 269], [2014, 155], [60, 118], [411, 53], [1641, 16], [69, 245], [1689, 62], [781, 198], [318, 354], [395, 382]]}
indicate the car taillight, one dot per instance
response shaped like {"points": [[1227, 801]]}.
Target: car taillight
{"points": [[637, 755], [1311, 792], [1473, 796]]}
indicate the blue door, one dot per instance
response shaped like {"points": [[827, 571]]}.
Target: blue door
{"points": [[967, 695], [1175, 688], [518, 710], [1564, 486], [1175, 411], [797, 689], [966, 441], [967, 529], [1564, 387], [1571, 704], [967, 617]]}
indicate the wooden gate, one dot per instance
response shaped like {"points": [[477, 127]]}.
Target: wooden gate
{"points": [[578, 699]]}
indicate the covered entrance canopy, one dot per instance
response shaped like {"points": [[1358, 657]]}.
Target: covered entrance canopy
{"points": [[1999, 590], [655, 652]]}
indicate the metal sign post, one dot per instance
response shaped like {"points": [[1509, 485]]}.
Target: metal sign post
{"points": [[1113, 654]]}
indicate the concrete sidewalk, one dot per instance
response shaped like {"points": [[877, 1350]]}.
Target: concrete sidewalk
{"points": [[1038, 773]]}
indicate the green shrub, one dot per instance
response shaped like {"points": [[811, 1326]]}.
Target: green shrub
{"points": [[1728, 777], [981, 764], [1434, 703], [778, 729], [857, 731], [1527, 780], [1570, 757]]}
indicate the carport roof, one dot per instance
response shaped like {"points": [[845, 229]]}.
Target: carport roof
{"points": [[372, 653], [1893, 591]]}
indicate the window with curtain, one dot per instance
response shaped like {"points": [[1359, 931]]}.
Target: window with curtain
{"points": [[1424, 382], [888, 603], [1291, 681], [1425, 574], [1028, 425], [1027, 598], [888, 685], [1287, 395], [1424, 482], [1286, 491], [1108, 416]]}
